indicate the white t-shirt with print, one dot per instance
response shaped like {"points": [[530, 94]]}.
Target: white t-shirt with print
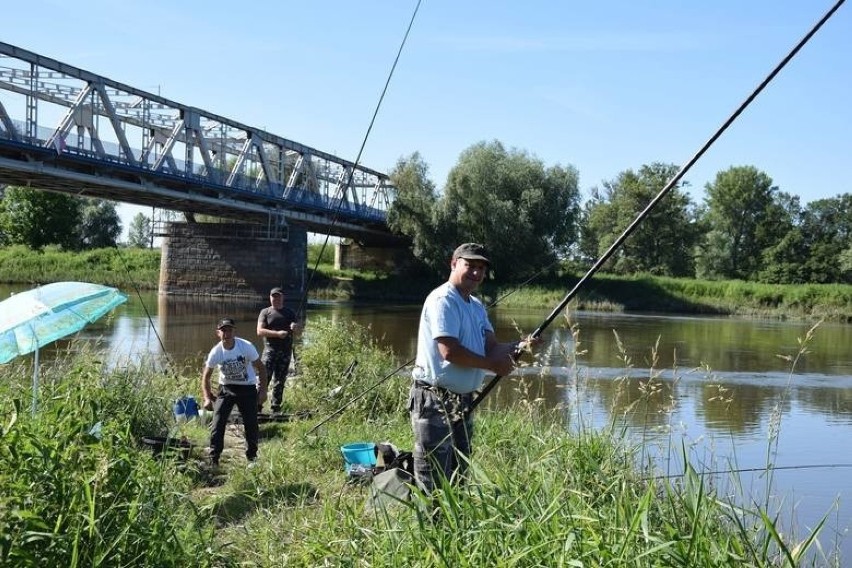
{"points": [[235, 365], [447, 314]]}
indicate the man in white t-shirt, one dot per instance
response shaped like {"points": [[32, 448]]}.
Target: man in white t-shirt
{"points": [[456, 346], [242, 382]]}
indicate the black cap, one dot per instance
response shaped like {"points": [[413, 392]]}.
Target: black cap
{"points": [[276, 290], [225, 322], [471, 251]]}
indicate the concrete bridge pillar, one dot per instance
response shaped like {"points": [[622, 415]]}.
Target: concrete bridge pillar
{"points": [[349, 254], [237, 260]]}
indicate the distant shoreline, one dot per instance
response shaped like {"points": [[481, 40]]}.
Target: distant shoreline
{"points": [[605, 293]]}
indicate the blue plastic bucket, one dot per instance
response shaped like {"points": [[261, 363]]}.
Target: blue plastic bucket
{"points": [[185, 408], [361, 453], [180, 408], [191, 407]]}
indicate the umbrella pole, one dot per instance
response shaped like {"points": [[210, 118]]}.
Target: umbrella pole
{"points": [[35, 381]]}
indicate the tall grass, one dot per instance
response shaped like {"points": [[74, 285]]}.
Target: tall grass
{"points": [[341, 362], [76, 489], [683, 295], [111, 266], [539, 494]]}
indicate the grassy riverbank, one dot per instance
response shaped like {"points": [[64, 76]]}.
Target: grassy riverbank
{"points": [[76, 488], [139, 268], [125, 268]]}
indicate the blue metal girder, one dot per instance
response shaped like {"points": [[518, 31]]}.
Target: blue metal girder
{"points": [[69, 130]]}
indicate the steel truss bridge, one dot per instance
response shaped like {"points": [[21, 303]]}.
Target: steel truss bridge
{"points": [[68, 130]]}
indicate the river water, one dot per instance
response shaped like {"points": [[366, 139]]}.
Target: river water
{"points": [[732, 393]]}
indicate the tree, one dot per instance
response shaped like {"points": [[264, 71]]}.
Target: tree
{"points": [[783, 262], [37, 218], [827, 226], [411, 213], [751, 214], [524, 213], [662, 243], [846, 265], [139, 232], [100, 225]]}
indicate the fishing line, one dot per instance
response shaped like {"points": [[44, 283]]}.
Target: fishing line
{"points": [[169, 361], [752, 470], [304, 299], [671, 183], [139, 295], [360, 152]]}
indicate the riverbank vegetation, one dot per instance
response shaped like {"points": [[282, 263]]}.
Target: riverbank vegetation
{"points": [[78, 489], [529, 215], [139, 268], [122, 268]]}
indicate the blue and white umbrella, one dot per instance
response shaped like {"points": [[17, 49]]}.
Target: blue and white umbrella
{"points": [[32, 319]]}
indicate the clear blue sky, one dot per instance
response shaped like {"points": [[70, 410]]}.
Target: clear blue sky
{"points": [[604, 86]]}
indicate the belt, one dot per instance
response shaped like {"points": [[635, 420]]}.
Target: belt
{"points": [[440, 390], [454, 404]]}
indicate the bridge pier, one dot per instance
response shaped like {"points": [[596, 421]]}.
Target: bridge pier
{"points": [[238, 260], [349, 254]]}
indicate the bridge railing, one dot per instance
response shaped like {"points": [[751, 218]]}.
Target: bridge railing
{"points": [[84, 147]]}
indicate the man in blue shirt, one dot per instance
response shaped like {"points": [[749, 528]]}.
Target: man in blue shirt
{"points": [[456, 346]]}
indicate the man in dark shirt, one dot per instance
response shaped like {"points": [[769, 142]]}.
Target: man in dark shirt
{"points": [[277, 325]]}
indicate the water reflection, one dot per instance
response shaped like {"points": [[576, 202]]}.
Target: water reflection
{"points": [[737, 408], [187, 326]]}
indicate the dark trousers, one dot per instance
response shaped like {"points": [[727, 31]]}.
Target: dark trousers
{"points": [[442, 429], [277, 365], [245, 398]]}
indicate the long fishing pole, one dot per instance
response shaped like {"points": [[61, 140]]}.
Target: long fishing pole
{"points": [[357, 162], [668, 187], [302, 308]]}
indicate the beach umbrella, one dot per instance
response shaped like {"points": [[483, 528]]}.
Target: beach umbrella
{"points": [[32, 319]]}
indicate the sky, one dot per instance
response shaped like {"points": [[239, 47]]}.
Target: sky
{"points": [[602, 86]]}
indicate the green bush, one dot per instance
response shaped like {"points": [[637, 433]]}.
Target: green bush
{"points": [[328, 352]]}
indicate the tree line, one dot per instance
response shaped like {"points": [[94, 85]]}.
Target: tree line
{"points": [[37, 219], [531, 217]]}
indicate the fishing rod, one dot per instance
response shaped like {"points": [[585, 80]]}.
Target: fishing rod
{"points": [[363, 393], [351, 172], [169, 362], [302, 308], [668, 187]]}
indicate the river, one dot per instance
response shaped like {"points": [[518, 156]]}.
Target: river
{"points": [[732, 393]]}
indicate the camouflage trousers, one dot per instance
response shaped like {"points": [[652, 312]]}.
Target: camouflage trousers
{"points": [[277, 365], [442, 426]]}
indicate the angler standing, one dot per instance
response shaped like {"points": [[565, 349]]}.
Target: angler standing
{"points": [[242, 382], [456, 345], [277, 325]]}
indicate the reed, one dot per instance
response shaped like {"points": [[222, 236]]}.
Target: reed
{"points": [[539, 494], [76, 489]]}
